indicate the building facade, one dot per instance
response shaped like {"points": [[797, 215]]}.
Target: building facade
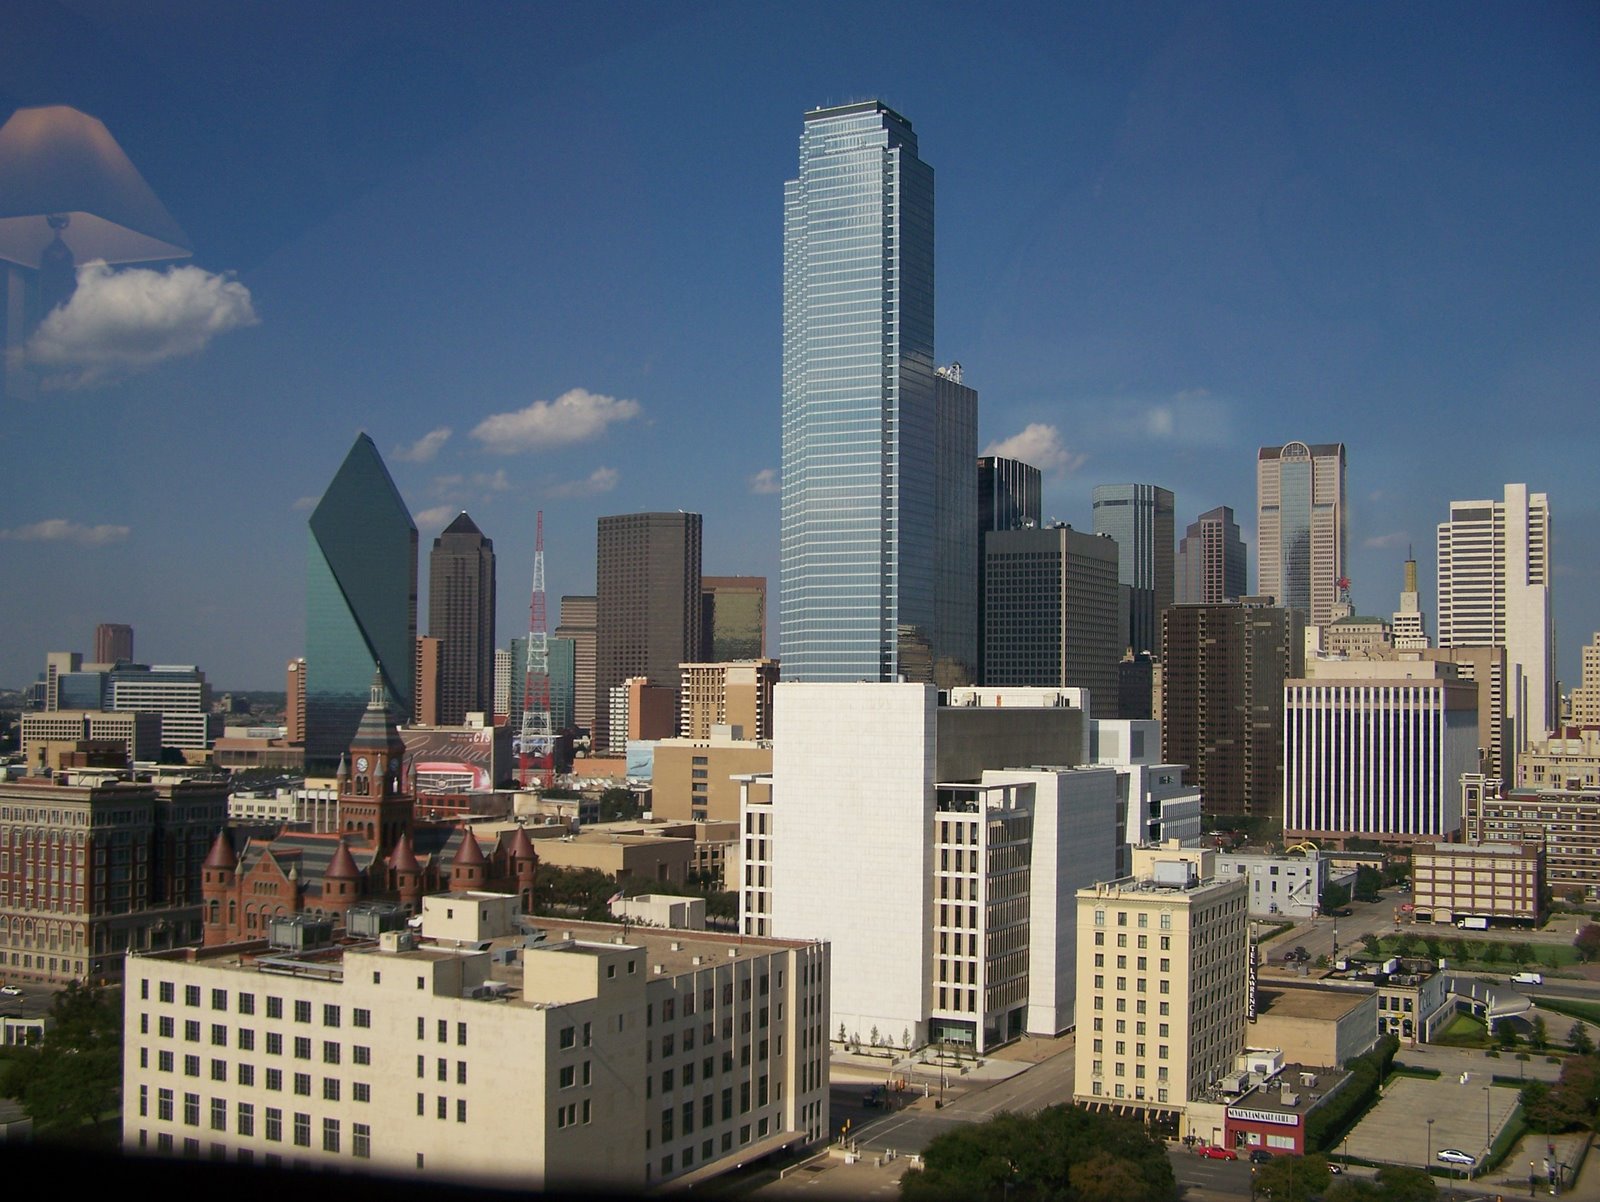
{"points": [[862, 472], [361, 602], [1051, 612], [1494, 591], [461, 600], [733, 617], [635, 1057], [1163, 956], [1212, 562], [1301, 527], [647, 568], [89, 872], [1223, 668], [1140, 517], [1369, 753]]}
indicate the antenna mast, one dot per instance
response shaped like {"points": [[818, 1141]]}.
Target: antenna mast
{"points": [[536, 744]]}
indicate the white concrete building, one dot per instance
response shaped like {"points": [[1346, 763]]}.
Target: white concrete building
{"points": [[573, 1058], [1377, 750], [1153, 803], [1494, 590], [851, 839], [1286, 886]]}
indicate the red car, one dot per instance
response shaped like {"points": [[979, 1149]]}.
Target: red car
{"points": [[1217, 1152]]}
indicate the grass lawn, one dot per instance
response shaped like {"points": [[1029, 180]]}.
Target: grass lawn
{"points": [[1463, 1031]]}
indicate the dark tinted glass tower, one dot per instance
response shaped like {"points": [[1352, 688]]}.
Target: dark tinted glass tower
{"points": [[859, 546], [361, 603], [1140, 518], [461, 613], [647, 613]]}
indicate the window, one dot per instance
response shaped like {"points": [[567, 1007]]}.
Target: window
{"points": [[361, 1141], [302, 1130], [274, 1124], [302, 1011]]}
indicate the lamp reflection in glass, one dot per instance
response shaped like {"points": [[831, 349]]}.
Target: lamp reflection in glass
{"points": [[69, 195]]}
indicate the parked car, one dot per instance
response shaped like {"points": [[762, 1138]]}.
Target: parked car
{"points": [[1456, 1156], [1260, 1156], [1217, 1152]]}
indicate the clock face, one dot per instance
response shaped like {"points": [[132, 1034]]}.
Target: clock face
{"points": [[361, 763]]}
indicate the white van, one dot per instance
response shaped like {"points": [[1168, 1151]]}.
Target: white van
{"points": [[1527, 978]]}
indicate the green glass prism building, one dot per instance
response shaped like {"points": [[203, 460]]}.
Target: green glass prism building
{"points": [[361, 603], [860, 595]]}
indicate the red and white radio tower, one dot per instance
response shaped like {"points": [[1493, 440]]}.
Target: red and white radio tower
{"points": [[536, 744]]}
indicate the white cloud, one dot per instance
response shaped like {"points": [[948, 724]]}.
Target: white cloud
{"points": [[436, 518], [602, 479], [122, 322], [59, 530], [1041, 446], [765, 482], [425, 448], [575, 416], [1395, 538], [304, 504]]}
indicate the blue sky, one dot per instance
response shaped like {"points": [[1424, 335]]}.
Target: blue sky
{"points": [[1169, 233]]}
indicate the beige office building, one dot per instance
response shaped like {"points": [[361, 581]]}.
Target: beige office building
{"points": [[1503, 882], [1163, 967], [590, 1056]]}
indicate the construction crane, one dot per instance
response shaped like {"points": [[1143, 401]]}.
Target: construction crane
{"points": [[536, 742]]}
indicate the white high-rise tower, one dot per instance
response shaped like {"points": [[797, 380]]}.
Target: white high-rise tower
{"points": [[1494, 590]]}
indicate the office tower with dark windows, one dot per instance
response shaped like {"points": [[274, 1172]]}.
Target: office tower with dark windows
{"points": [[1140, 518], [1301, 527], [1050, 612], [578, 624], [955, 584], [461, 595], [1211, 560], [647, 576], [733, 617], [361, 603], [859, 548], [113, 641], [1223, 669], [1494, 591]]}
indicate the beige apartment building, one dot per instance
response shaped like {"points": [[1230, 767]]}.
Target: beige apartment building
{"points": [[1163, 968], [727, 694], [1502, 882], [586, 1055]]}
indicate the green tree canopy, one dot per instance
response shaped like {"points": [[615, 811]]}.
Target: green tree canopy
{"points": [[1060, 1154]]}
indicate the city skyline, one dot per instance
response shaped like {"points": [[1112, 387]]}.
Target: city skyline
{"points": [[1252, 226]]}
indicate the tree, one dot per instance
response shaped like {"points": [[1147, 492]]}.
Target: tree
{"points": [[1579, 1039], [70, 1079], [1059, 1154], [1588, 940]]}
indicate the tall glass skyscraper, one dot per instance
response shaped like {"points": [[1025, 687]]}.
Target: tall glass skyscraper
{"points": [[361, 603], [858, 593]]}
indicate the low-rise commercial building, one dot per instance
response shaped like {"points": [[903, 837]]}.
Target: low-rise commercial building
{"points": [[634, 1058], [1500, 881]]}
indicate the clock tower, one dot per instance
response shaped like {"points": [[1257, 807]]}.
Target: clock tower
{"points": [[371, 805]]}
